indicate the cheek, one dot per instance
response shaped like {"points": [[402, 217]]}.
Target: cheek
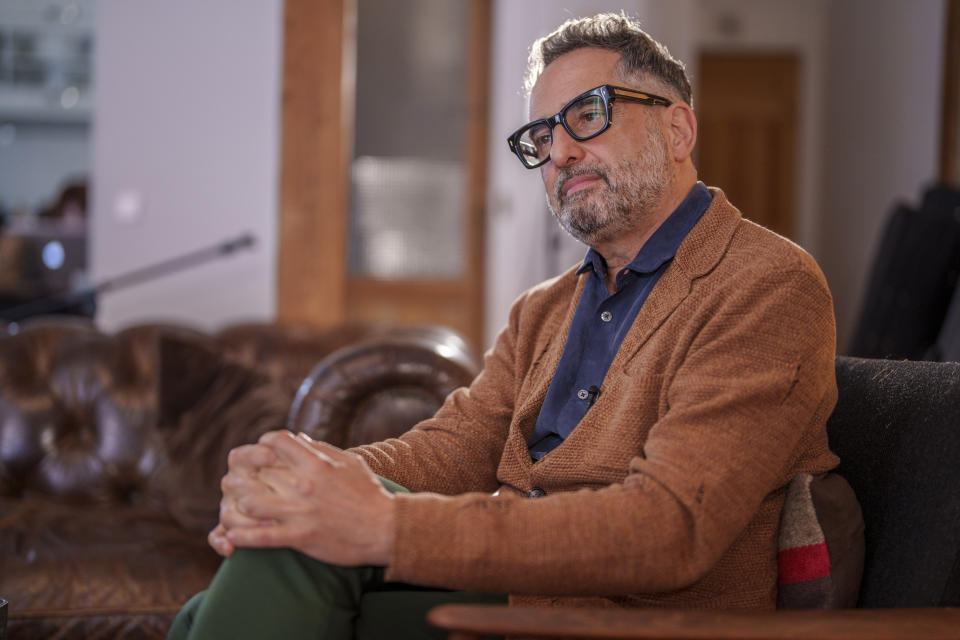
{"points": [[549, 178]]}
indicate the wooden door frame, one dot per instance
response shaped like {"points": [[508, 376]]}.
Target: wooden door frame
{"points": [[317, 138]]}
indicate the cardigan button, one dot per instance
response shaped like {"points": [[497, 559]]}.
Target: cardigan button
{"points": [[536, 492]]}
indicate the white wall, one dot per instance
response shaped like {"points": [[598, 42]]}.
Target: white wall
{"points": [[186, 141], [792, 26], [882, 108]]}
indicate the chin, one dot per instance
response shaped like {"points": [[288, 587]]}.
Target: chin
{"points": [[586, 234]]}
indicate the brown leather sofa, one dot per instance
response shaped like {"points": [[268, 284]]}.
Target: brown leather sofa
{"points": [[112, 446]]}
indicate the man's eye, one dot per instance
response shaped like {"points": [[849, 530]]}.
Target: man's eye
{"points": [[590, 115], [539, 137]]}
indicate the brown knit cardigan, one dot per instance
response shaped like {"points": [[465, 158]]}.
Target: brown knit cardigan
{"points": [[669, 491]]}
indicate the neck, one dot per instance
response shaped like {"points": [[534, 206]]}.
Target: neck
{"points": [[621, 250]]}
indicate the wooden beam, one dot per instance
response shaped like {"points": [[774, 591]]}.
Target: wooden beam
{"points": [[317, 138], [478, 131]]}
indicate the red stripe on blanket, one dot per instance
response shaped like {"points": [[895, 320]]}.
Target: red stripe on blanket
{"points": [[804, 563]]}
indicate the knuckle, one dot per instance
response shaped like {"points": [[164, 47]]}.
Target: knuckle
{"points": [[248, 507], [271, 436], [236, 456], [228, 518], [264, 456], [304, 486]]}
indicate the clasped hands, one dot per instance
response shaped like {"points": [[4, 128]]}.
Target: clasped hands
{"points": [[291, 491]]}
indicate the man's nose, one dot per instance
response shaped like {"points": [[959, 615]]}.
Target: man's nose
{"points": [[565, 150]]}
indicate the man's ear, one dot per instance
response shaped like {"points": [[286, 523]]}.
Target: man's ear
{"points": [[682, 125]]}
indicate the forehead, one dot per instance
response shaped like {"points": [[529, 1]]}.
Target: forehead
{"points": [[570, 75]]}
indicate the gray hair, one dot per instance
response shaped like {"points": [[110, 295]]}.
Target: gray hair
{"points": [[639, 53]]}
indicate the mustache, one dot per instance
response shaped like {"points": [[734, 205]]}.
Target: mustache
{"points": [[564, 175]]}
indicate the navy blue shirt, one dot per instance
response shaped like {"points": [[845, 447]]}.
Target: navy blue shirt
{"points": [[602, 320]]}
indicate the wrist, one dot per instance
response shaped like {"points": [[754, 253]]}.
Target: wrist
{"points": [[387, 531]]}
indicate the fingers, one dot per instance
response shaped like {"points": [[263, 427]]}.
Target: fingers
{"points": [[239, 515], [250, 457], [250, 508], [281, 442], [247, 499], [334, 453], [265, 452], [276, 535], [320, 445], [286, 482], [300, 451], [235, 484], [217, 538]]}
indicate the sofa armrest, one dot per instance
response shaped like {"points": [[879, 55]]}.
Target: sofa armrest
{"points": [[466, 622], [381, 386]]}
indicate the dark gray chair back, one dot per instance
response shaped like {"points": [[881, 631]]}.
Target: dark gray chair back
{"points": [[896, 429], [947, 347]]}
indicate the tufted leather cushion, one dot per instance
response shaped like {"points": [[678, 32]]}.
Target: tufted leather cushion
{"points": [[78, 411], [63, 413], [87, 541]]}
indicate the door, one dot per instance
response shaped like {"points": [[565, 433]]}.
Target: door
{"points": [[747, 112]]}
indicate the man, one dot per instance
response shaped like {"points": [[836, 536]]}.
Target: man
{"points": [[630, 437]]}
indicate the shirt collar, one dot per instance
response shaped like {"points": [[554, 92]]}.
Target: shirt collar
{"points": [[665, 241]]}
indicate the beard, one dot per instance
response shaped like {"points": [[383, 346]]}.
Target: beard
{"points": [[627, 193]]}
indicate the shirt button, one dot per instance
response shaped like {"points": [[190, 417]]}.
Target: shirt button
{"points": [[536, 492], [583, 394], [606, 316]]}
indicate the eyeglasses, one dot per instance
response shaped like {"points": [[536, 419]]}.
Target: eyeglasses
{"points": [[586, 116]]}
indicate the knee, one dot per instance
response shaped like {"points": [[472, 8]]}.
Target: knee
{"points": [[183, 622]]}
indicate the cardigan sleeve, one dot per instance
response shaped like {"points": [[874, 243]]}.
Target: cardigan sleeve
{"points": [[751, 394], [458, 449]]}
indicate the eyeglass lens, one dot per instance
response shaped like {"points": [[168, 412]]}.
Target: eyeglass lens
{"points": [[583, 118]]}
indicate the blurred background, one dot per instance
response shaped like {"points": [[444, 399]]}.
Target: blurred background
{"points": [[361, 144]]}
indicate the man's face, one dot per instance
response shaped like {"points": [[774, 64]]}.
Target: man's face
{"points": [[603, 187]]}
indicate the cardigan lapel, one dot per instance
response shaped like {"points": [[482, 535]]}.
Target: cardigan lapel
{"points": [[526, 413], [698, 254]]}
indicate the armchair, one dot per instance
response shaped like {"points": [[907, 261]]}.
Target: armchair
{"points": [[896, 432]]}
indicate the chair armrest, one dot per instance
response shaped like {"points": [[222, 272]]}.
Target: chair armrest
{"points": [[466, 622], [381, 386]]}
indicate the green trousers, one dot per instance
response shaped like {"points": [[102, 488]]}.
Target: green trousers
{"points": [[281, 593]]}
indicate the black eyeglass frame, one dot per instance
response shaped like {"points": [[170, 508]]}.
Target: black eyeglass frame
{"points": [[607, 92]]}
